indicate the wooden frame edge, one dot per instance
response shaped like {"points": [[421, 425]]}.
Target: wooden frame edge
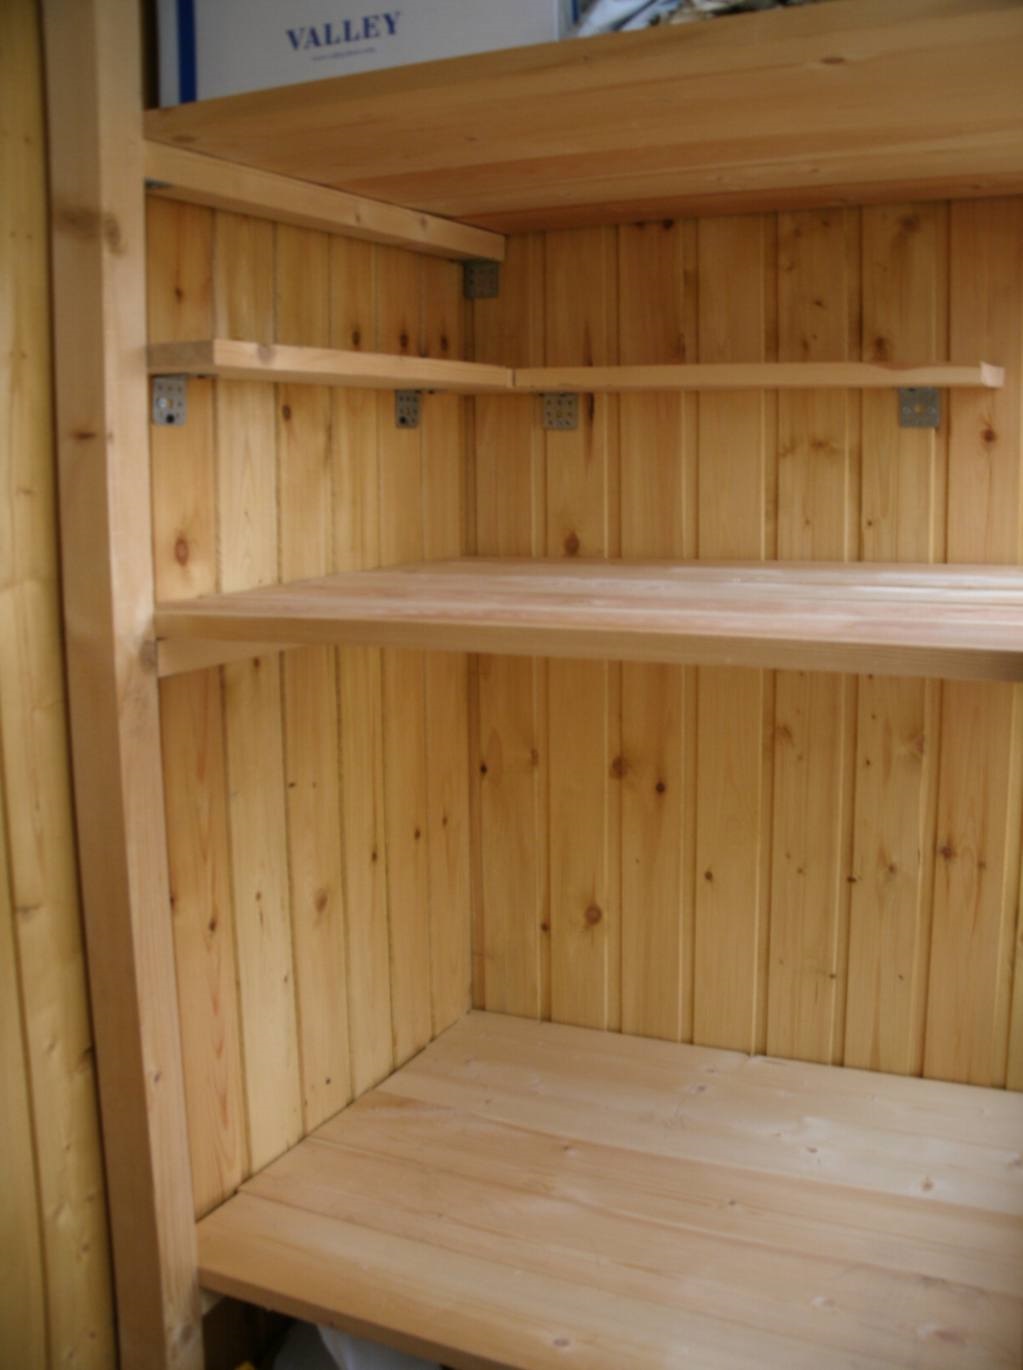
{"points": [[93, 61], [197, 179]]}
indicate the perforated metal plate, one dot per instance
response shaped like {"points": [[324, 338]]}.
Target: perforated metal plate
{"points": [[170, 400], [919, 407], [560, 412], [406, 408], [481, 280]]}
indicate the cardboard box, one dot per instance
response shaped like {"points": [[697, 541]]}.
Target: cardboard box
{"points": [[220, 47]]}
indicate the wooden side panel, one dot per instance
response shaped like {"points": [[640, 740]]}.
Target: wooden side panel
{"points": [[192, 725], [736, 509], [445, 523], [311, 741], [818, 518], [55, 1304], [355, 470], [977, 879], [512, 936], [583, 698], [905, 314], [657, 320], [247, 536]]}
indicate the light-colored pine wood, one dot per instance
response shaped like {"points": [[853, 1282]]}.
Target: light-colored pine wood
{"points": [[312, 365], [647, 1204], [309, 684], [580, 324], [399, 329], [736, 475], [445, 494], [962, 623], [979, 789], [57, 1300], [855, 104], [818, 517], [179, 242], [804, 373], [512, 938], [23, 1312], [656, 319], [355, 472], [905, 303], [175, 173], [94, 130], [248, 530]]}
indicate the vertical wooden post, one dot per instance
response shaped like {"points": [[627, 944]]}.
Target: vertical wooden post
{"points": [[94, 101]]}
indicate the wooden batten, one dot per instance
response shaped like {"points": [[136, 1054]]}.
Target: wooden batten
{"points": [[177, 174], [100, 329]]}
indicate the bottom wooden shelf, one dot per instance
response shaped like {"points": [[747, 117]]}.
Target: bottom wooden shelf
{"points": [[528, 1195]]}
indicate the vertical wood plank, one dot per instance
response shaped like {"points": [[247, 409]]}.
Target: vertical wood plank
{"points": [[905, 315], [736, 510], [302, 274], [513, 944], [180, 244], [248, 531], [23, 1303], [49, 1074], [818, 517], [656, 324], [444, 455], [96, 181], [976, 883], [584, 697], [353, 268], [399, 302]]}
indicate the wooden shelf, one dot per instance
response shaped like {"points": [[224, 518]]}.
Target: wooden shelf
{"points": [[757, 376], [961, 622], [324, 366], [375, 370], [855, 101], [528, 1195]]}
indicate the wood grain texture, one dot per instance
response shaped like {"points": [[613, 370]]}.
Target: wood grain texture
{"points": [[177, 174], [512, 936], [180, 299], [647, 1161], [98, 242], [56, 1304], [856, 103]]}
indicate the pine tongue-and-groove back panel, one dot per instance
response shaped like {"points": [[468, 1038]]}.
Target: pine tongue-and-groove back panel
{"points": [[820, 867], [318, 801]]}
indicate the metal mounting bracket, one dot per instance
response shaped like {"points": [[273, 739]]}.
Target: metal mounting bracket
{"points": [[560, 412], [481, 280], [406, 409], [919, 407], [170, 401]]}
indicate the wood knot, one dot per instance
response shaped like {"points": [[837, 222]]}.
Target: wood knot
{"points": [[483, 768], [661, 787], [619, 768], [285, 411], [403, 341], [989, 436], [181, 550], [356, 337], [321, 900], [833, 61], [947, 850], [593, 915], [572, 544]]}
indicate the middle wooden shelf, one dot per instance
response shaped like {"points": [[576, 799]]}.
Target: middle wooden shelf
{"points": [[233, 359], [961, 622]]}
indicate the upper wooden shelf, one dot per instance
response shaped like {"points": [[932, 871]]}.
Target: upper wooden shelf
{"points": [[324, 366], [852, 101], [375, 370], [961, 622]]}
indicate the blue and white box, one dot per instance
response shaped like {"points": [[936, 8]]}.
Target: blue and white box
{"points": [[220, 47]]}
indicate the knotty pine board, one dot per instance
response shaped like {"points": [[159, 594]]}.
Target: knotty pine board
{"points": [[312, 952], [56, 1306], [842, 880]]}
